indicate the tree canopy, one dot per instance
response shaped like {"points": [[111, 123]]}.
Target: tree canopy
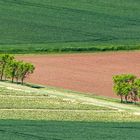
{"points": [[10, 68], [127, 86]]}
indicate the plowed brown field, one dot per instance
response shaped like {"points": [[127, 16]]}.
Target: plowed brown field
{"points": [[89, 73]]}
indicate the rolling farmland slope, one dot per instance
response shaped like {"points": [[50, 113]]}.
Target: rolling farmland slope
{"points": [[62, 25], [42, 114]]}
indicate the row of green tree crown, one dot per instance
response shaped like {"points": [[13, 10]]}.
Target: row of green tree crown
{"points": [[14, 70], [127, 86]]}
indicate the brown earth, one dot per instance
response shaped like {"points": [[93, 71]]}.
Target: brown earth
{"points": [[89, 73]]}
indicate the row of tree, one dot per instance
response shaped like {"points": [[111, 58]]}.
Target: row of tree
{"points": [[127, 86], [10, 68]]}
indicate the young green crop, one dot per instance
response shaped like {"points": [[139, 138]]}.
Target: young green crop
{"points": [[37, 26]]}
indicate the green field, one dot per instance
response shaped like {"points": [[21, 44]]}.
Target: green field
{"points": [[67, 130], [53, 114], [68, 26]]}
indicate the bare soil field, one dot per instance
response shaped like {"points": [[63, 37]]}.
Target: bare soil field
{"points": [[89, 73]]}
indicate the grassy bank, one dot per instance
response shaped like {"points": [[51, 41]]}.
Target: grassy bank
{"points": [[25, 103]]}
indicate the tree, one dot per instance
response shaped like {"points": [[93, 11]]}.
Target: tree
{"points": [[12, 69], [4, 60], [135, 93], [123, 85], [24, 70], [18, 71]]}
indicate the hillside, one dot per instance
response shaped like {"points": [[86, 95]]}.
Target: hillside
{"points": [[49, 25], [54, 114]]}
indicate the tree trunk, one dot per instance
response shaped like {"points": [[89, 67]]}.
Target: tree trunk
{"points": [[135, 99], [22, 81], [17, 80], [12, 79], [126, 99], [2, 74], [121, 99]]}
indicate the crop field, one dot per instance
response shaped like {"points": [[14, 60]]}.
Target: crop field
{"points": [[48, 114], [54, 87], [67, 26], [88, 73], [65, 130]]}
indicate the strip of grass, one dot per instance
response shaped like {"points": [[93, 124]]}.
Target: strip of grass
{"points": [[28, 103], [43, 102], [34, 106], [116, 100], [69, 115], [17, 99], [64, 48]]}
